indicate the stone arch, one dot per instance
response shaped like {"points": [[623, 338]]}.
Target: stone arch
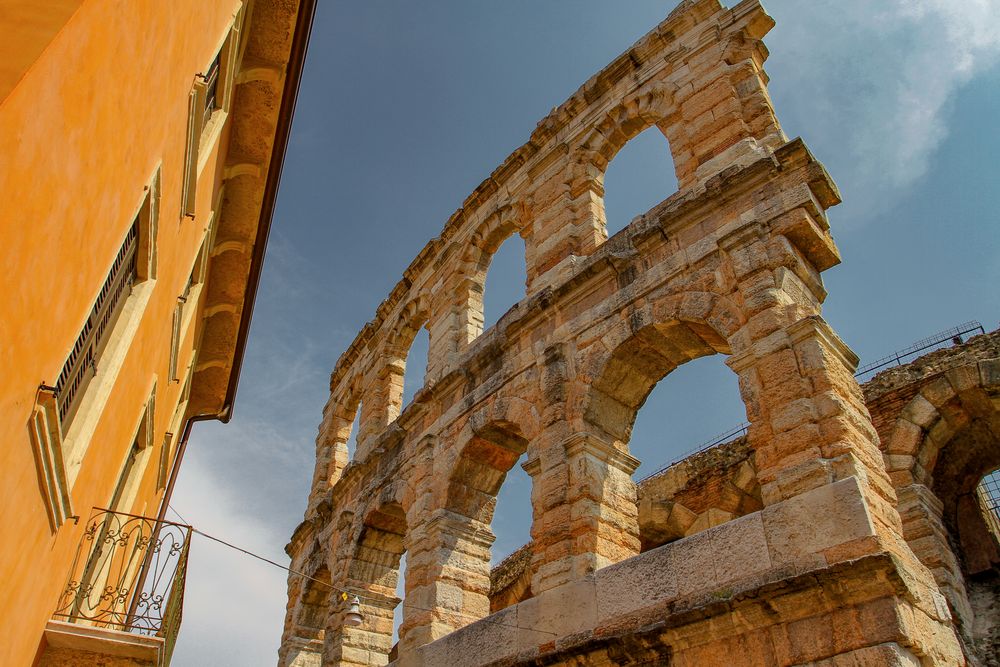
{"points": [[589, 161], [448, 558], [589, 452], [491, 448], [310, 595], [944, 441], [936, 414], [383, 398], [337, 428], [314, 606], [644, 349], [372, 573], [621, 124], [477, 255]]}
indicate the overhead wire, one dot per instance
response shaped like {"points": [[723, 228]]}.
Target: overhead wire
{"points": [[360, 594]]}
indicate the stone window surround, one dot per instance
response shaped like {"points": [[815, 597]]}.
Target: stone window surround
{"points": [[59, 449], [173, 430], [185, 308], [202, 136], [143, 439]]}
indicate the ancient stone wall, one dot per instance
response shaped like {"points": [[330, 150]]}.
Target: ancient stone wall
{"points": [[939, 423], [728, 265], [717, 485]]}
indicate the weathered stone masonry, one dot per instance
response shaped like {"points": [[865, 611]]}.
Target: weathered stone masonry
{"points": [[728, 265], [942, 523]]}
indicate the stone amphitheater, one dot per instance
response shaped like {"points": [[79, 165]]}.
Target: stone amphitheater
{"points": [[843, 529]]}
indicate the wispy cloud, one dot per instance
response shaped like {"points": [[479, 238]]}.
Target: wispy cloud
{"points": [[234, 605], [873, 83]]}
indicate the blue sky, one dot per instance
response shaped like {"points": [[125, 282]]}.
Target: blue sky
{"points": [[405, 107]]}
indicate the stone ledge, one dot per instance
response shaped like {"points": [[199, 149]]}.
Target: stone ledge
{"points": [[794, 538], [129, 648]]}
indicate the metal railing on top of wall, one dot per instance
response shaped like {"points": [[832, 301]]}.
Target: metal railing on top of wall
{"points": [[954, 335]]}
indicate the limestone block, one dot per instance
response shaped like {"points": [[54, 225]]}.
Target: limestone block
{"points": [[921, 412], [884, 655], [557, 612], [989, 372], [906, 438], [636, 583], [939, 391], [478, 643], [817, 520]]}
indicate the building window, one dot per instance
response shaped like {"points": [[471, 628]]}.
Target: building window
{"points": [[81, 366], [208, 105], [66, 412], [211, 90]]}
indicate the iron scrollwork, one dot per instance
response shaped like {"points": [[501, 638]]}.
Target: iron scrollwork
{"points": [[128, 575]]}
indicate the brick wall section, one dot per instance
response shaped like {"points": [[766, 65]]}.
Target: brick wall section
{"points": [[891, 390]]}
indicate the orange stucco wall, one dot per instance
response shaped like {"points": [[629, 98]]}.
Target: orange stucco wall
{"points": [[83, 126]]}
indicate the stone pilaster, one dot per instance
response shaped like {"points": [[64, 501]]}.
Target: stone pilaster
{"points": [[368, 643], [447, 579], [586, 514]]}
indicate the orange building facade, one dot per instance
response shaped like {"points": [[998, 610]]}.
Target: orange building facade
{"points": [[140, 150]]}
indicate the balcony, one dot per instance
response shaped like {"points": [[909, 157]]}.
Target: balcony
{"points": [[122, 602]]}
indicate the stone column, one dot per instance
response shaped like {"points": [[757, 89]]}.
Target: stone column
{"points": [[924, 529], [585, 509], [447, 578], [365, 645], [723, 111]]}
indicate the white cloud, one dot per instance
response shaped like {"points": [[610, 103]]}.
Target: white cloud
{"points": [[234, 604], [873, 83]]}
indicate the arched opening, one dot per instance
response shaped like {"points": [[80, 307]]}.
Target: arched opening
{"points": [[637, 364], [947, 454], [490, 456], [415, 365], [640, 176], [397, 614], [511, 523], [374, 573], [341, 438], [504, 283], [989, 501], [666, 396], [510, 561], [965, 480], [697, 468], [352, 437], [309, 623], [314, 607], [696, 406]]}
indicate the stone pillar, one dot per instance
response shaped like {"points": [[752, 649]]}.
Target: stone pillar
{"points": [[925, 532], [381, 402], [447, 578], [808, 423], [301, 652], [365, 645], [723, 112], [586, 516]]}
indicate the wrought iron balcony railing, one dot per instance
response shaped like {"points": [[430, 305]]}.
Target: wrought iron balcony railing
{"points": [[129, 575]]}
